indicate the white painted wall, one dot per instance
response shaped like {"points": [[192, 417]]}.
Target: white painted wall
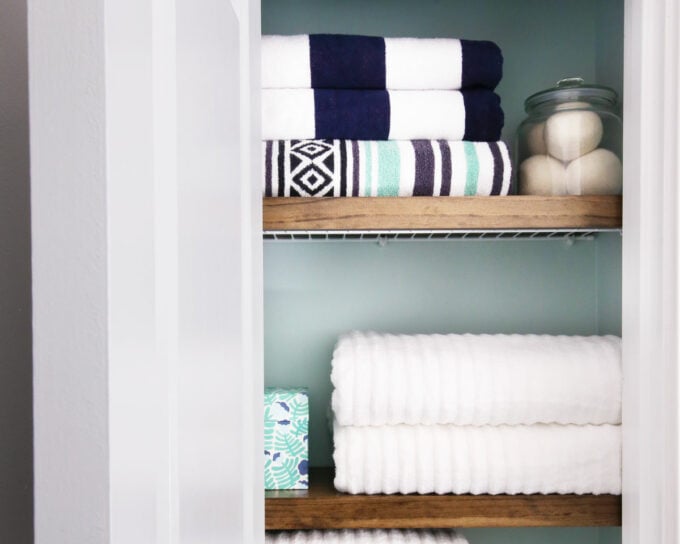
{"points": [[16, 443], [68, 208]]}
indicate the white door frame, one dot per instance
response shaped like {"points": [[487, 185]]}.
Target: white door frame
{"points": [[650, 272], [147, 271], [118, 250]]}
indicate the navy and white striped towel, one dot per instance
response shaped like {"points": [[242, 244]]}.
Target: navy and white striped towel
{"points": [[332, 61], [473, 115], [385, 168]]}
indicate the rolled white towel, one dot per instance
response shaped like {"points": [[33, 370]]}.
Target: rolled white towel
{"points": [[374, 536], [503, 459], [466, 379]]}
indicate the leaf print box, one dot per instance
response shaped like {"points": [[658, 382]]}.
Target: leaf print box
{"points": [[286, 428]]}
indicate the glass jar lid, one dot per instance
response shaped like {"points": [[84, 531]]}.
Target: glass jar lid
{"points": [[572, 89]]}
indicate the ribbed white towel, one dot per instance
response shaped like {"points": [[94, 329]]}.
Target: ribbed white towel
{"points": [[465, 379], [504, 459], [375, 536]]}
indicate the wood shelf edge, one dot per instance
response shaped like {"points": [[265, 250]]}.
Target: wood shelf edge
{"points": [[423, 213], [324, 508]]}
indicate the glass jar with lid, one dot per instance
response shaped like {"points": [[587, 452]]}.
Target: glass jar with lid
{"points": [[570, 142]]}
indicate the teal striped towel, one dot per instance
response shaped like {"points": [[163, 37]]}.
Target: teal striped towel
{"points": [[318, 168]]}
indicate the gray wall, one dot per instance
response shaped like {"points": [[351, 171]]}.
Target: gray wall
{"points": [[16, 448]]}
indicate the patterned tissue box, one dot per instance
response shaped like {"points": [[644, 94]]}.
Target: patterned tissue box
{"points": [[286, 428]]}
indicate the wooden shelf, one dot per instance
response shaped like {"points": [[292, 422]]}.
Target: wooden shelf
{"points": [[442, 213], [324, 508]]}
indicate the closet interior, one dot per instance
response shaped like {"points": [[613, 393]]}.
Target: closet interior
{"points": [[544, 266]]}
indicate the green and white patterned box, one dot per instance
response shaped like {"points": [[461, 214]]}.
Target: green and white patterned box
{"points": [[286, 430]]}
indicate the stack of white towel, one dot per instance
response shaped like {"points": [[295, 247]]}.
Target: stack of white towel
{"points": [[376, 536], [477, 414]]}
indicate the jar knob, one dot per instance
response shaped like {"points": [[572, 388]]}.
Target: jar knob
{"points": [[570, 82]]}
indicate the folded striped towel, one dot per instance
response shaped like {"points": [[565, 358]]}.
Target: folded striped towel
{"points": [[328, 61], [473, 115], [385, 168], [467, 379], [365, 536], [503, 459]]}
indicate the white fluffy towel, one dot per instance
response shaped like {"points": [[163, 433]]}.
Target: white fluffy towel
{"points": [[374, 536], [466, 379], [503, 459]]}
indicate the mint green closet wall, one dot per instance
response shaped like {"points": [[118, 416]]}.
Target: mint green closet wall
{"points": [[315, 291]]}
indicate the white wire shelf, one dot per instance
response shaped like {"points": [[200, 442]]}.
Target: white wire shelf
{"points": [[434, 235]]}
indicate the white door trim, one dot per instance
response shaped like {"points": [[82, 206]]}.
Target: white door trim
{"points": [[147, 259], [650, 272]]}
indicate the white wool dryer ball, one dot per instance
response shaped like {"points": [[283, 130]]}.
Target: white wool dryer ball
{"points": [[542, 175], [535, 141], [570, 134], [598, 173]]}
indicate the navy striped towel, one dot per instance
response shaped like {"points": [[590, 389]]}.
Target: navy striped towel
{"points": [[319, 168], [331, 61], [473, 115]]}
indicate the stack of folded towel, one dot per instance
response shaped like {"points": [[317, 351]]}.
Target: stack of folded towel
{"points": [[350, 115], [392, 536], [477, 414]]}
